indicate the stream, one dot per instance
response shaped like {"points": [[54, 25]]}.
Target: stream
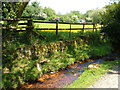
{"points": [[65, 77]]}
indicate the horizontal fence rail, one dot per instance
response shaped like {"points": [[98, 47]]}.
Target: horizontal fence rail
{"points": [[29, 24]]}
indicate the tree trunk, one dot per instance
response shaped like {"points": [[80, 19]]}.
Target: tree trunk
{"points": [[19, 11]]}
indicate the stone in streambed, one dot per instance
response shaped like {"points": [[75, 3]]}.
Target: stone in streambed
{"points": [[94, 65]]}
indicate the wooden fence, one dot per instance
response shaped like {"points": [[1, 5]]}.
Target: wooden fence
{"points": [[29, 25]]}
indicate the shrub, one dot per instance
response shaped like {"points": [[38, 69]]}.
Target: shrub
{"points": [[111, 21], [25, 70]]}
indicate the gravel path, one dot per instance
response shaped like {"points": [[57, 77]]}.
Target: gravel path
{"points": [[108, 80]]}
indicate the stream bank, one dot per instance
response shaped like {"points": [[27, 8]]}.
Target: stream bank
{"points": [[49, 58], [65, 77], [108, 80]]}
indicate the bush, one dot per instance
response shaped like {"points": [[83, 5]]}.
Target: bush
{"points": [[111, 21], [21, 71], [25, 70]]}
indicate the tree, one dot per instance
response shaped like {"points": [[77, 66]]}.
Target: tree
{"points": [[73, 16], [111, 21], [94, 15], [87, 14], [50, 13], [13, 10], [35, 11], [78, 14]]}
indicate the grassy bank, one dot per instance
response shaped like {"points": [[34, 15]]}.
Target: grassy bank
{"points": [[89, 76], [20, 71]]}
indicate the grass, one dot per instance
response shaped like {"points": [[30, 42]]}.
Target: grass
{"points": [[51, 36], [53, 25], [89, 76], [63, 26], [69, 56]]}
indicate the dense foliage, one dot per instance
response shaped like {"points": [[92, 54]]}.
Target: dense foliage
{"points": [[34, 10], [13, 9], [111, 21], [37, 12], [19, 71], [73, 16], [94, 15]]}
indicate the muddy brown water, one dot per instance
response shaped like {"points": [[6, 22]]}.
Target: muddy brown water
{"points": [[65, 77]]}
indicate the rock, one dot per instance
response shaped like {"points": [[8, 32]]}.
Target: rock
{"points": [[94, 65], [39, 67], [75, 74], [53, 72], [6, 70]]}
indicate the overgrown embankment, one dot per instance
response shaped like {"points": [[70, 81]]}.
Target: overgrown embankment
{"points": [[26, 62]]}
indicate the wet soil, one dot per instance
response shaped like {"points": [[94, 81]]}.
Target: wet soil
{"points": [[65, 77]]}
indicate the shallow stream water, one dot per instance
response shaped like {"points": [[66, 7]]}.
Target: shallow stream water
{"points": [[64, 77]]}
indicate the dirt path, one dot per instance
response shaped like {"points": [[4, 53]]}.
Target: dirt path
{"points": [[109, 80]]}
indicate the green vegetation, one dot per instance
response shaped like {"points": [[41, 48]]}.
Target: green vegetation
{"points": [[53, 25], [48, 14], [92, 44], [111, 21], [13, 9], [89, 76], [51, 36], [19, 71], [94, 15], [37, 12], [73, 16], [34, 10]]}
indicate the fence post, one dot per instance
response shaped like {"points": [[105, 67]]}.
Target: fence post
{"points": [[83, 27], [96, 27], [29, 25], [70, 31], [101, 26], [29, 28], [93, 27], [56, 28]]}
